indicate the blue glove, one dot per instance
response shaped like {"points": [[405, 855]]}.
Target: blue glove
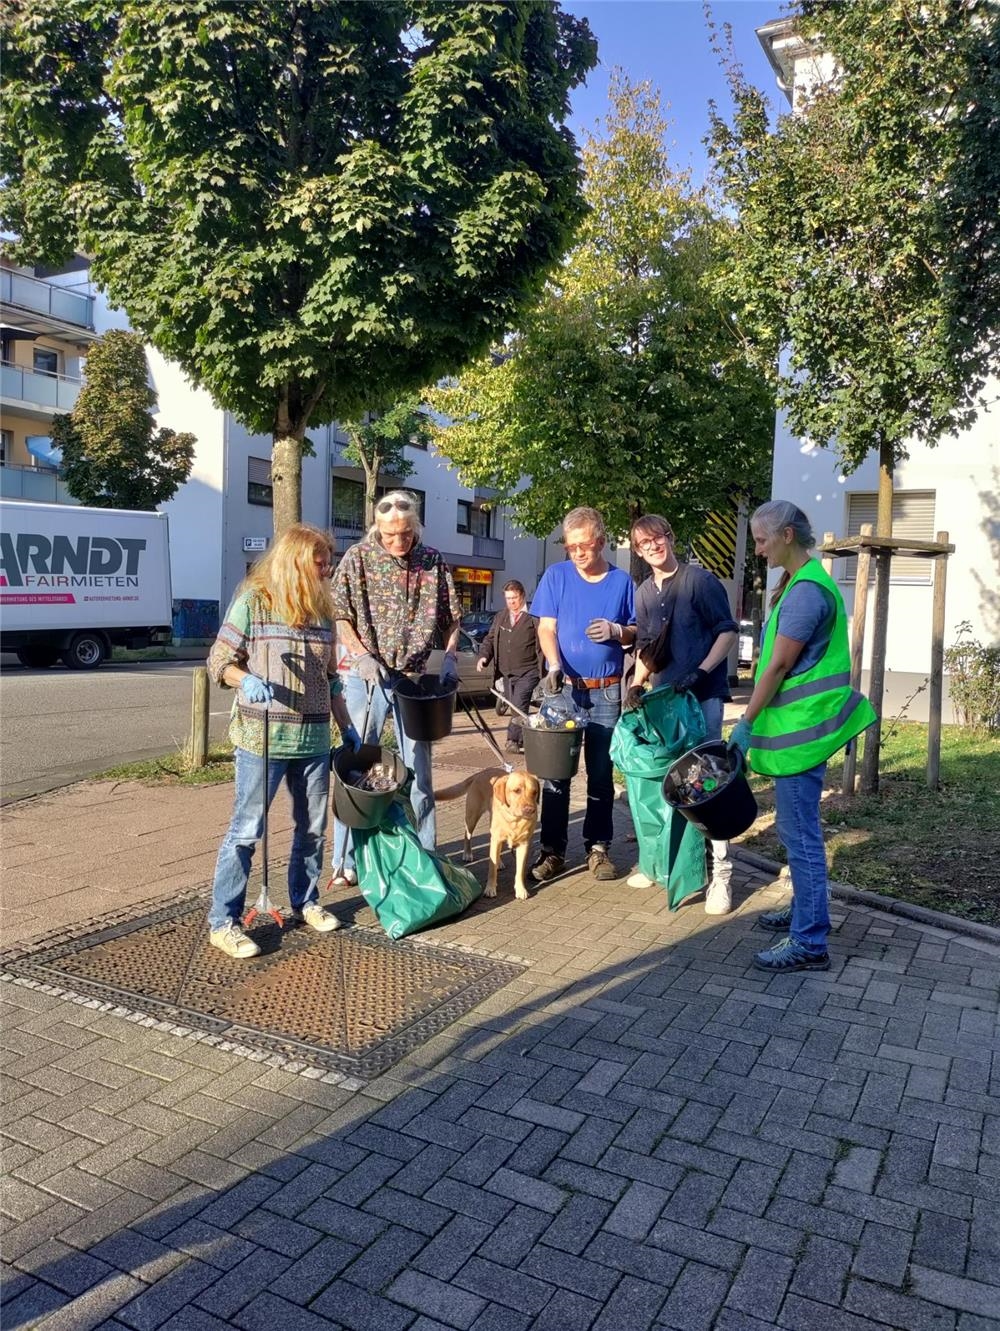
{"points": [[350, 736], [254, 689], [740, 735], [449, 669]]}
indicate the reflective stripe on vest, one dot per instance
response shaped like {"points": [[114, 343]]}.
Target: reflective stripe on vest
{"points": [[813, 714]]}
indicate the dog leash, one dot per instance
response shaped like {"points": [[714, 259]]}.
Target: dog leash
{"points": [[479, 724]]}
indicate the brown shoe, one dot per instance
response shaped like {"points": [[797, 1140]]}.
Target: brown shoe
{"points": [[600, 865], [547, 866]]}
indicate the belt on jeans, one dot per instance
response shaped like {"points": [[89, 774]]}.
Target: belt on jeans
{"points": [[604, 683]]}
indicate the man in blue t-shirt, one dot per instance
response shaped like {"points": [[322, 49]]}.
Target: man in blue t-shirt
{"points": [[685, 630], [585, 609]]}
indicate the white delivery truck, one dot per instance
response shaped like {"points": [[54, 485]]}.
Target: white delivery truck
{"points": [[74, 582]]}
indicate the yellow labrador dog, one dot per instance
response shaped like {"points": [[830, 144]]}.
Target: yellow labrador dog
{"points": [[512, 798]]}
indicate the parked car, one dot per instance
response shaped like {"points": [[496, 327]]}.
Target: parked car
{"points": [[471, 682], [745, 646], [477, 623]]}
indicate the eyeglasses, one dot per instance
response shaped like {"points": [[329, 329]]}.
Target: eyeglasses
{"points": [[652, 542], [581, 547], [387, 505]]}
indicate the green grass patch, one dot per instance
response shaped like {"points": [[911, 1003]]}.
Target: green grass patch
{"points": [[939, 849], [174, 769]]}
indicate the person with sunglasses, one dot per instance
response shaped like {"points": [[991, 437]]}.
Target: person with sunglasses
{"points": [[586, 619], [685, 630], [393, 597]]}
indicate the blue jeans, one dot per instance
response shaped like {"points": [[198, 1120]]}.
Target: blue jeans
{"points": [[416, 754], [308, 782], [603, 707], [797, 808]]}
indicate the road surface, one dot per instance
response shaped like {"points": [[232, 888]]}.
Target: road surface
{"points": [[61, 725]]}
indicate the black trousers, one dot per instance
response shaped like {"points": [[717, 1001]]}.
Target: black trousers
{"points": [[518, 690]]}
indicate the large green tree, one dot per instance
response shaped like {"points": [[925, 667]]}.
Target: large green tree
{"points": [[313, 206], [868, 236], [625, 386], [113, 454]]}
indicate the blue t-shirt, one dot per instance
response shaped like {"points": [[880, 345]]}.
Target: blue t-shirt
{"points": [[568, 598], [807, 614]]}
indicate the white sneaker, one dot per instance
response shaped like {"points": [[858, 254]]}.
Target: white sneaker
{"points": [[319, 919], [234, 942], [639, 880], [718, 898]]}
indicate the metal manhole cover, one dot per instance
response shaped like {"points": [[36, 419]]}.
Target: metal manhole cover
{"points": [[350, 1001]]}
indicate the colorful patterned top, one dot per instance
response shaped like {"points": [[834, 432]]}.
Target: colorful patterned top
{"points": [[396, 606], [297, 663]]}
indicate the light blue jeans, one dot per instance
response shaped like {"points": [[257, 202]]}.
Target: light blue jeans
{"points": [[798, 826], [308, 781], [416, 754]]}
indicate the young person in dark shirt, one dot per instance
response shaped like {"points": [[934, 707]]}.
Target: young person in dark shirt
{"points": [[512, 643], [685, 630]]}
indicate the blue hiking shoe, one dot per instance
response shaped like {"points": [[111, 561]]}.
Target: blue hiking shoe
{"points": [[778, 921], [791, 956]]}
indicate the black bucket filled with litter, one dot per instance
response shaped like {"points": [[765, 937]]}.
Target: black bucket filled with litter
{"points": [[552, 755], [426, 706], [708, 785], [365, 783]]}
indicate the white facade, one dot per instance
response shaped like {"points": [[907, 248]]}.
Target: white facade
{"points": [[955, 488]]}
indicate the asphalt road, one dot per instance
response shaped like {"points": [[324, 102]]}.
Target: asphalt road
{"points": [[59, 725]]}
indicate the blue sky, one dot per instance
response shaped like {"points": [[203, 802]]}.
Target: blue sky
{"points": [[667, 42]]}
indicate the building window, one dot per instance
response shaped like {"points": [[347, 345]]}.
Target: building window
{"points": [[46, 361], [482, 521], [348, 505], [259, 488], [6, 446], [464, 523], [912, 519]]}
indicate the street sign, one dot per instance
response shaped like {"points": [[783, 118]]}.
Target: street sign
{"points": [[254, 543]]}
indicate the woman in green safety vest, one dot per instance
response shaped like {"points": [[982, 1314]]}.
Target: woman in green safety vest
{"points": [[802, 710]]}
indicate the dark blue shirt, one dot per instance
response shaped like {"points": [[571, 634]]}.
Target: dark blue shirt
{"points": [[694, 602]]}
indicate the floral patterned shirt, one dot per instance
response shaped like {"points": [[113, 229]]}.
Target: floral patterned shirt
{"points": [[395, 606]]}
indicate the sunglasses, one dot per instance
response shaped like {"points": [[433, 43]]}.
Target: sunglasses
{"points": [[581, 547], [387, 505]]}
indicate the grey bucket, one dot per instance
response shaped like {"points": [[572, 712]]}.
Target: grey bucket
{"points": [[363, 808]]}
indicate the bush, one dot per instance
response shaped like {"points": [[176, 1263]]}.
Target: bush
{"points": [[974, 672]]}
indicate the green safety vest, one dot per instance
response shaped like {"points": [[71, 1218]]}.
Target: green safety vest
{"points": [[817, 712]]}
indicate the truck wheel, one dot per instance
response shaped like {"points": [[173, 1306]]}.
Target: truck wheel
{"points": [[86, 651], [38, 658]]}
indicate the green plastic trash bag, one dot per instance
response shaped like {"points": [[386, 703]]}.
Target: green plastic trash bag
{"points": [[646, 741], [407, 886]]}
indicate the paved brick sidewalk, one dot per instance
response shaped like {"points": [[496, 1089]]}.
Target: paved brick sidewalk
{"points": [[639, 1132]]}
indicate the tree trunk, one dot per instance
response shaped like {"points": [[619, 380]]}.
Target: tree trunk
{"points": [[371, 466], [637, 566], [880, 624], [286, 481]]}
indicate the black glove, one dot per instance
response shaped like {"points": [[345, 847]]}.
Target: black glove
{"points": [[693, 681], [633, 698], [552, 683]]}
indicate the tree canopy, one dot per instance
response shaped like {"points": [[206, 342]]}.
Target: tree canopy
{"points": [[625, 386], [377, 443], [113, 454], [868, 235], [313, 206]]}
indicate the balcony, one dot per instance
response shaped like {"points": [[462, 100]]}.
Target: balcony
{"points": [[37, 395], [34, 483], [488, 547], [44, 298]]}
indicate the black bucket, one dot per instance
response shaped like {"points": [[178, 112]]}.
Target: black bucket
{"points": [[363, 808], [727, 812], [552, 755], [426, 706]]}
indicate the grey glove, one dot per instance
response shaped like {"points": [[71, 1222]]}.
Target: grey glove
{"points": [[371, 670], [633, 698], [604, 630], [254, 689], [449, 669], [553, 682], [691, 681]]}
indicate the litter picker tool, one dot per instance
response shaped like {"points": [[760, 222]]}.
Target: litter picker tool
{"points": [[479, 724], [503, 698], [264, 905]]}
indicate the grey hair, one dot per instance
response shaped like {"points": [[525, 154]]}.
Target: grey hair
{"points": [[410, 510], [777, 514], [585, 517]]}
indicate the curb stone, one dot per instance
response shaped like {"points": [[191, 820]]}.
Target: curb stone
{"points": [[855, 896]]}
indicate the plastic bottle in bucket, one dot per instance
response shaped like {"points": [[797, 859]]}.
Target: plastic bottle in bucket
{"points": [[353, 805], [708, 785], [553, 740]]}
